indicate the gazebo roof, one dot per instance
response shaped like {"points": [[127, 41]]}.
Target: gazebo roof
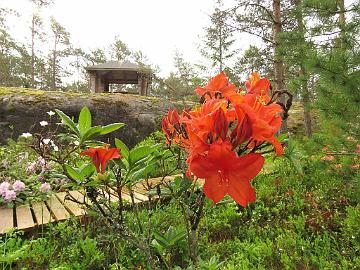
{"points": [[115, 65]]}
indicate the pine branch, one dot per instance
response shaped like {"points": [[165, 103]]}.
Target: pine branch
{"points": [[263, 8]]}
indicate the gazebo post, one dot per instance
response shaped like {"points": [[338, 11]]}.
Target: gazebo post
{"points": [[107, 88], [92, 82], [115, 72], [100, 87], [141, 84]]}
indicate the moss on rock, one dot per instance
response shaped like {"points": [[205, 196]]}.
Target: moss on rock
{"points": [[25, 108]]}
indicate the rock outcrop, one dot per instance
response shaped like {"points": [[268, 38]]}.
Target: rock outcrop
{"points": [[21, 110]]}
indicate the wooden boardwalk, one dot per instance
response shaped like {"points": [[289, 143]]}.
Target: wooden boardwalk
{"points": [[59, 207]]}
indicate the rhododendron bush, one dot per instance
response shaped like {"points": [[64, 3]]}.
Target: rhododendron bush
{"points": [[226, 135]]}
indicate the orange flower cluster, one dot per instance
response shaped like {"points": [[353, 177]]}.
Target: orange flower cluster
{"points": [[223, 134]]}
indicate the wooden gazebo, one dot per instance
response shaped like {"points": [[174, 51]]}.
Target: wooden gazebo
{"points": [[115, 72]]}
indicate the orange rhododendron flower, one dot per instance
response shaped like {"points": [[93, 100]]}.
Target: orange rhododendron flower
{"points": [[258, 86], [217, 85], [101, 156], [171, 125], [266, 121], [226, 173]]}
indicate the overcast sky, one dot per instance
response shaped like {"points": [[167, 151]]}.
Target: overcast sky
{"points": [[156, 27]]}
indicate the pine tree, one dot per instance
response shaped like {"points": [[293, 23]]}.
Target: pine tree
{"points": [[254, 59], [295, 50], [61, 49], [219, 39], [119, 51], [96, 56], [13, 56], [337, 61], [37, 34], [181, 82]]}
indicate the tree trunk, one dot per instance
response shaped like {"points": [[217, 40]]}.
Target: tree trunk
{"points": [[220, 50], [305, 93], [54, 65], [33, 52], [278, 62], [342, 21]]}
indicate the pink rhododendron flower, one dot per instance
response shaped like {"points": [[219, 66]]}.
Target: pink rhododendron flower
{"points": [[4, 187], [41, 162], [10, 195], [355, 166], [31, 169], [40, 165], [45, 188], [18, 186]]}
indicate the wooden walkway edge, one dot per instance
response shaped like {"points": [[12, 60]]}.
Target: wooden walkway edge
{"points": [[58, 207]]}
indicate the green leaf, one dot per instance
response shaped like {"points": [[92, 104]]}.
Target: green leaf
{"points": [[160, 250], [161, 239], [73, 173], [122, 146], [90, 133], [283, 137], [143, 172], [87, 170], [184, 185], [122, 163], [93, 183], [84, 120], [70, 123], [110, 128], [141, 152]]}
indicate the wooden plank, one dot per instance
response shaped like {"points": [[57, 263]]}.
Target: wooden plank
{"points": [[79, 196], [87, 199], [41, 213], [57, 209], [6, 219], [73, 207], [158, 180], [140, 196], [106, 194], [24, 217], [141, 189], [126, 197]]}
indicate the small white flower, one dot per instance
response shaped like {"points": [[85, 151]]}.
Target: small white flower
{"points": [[50, 113], [43, 123], [26, 135], [54, 146], [76, 143], [46, 141]]}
